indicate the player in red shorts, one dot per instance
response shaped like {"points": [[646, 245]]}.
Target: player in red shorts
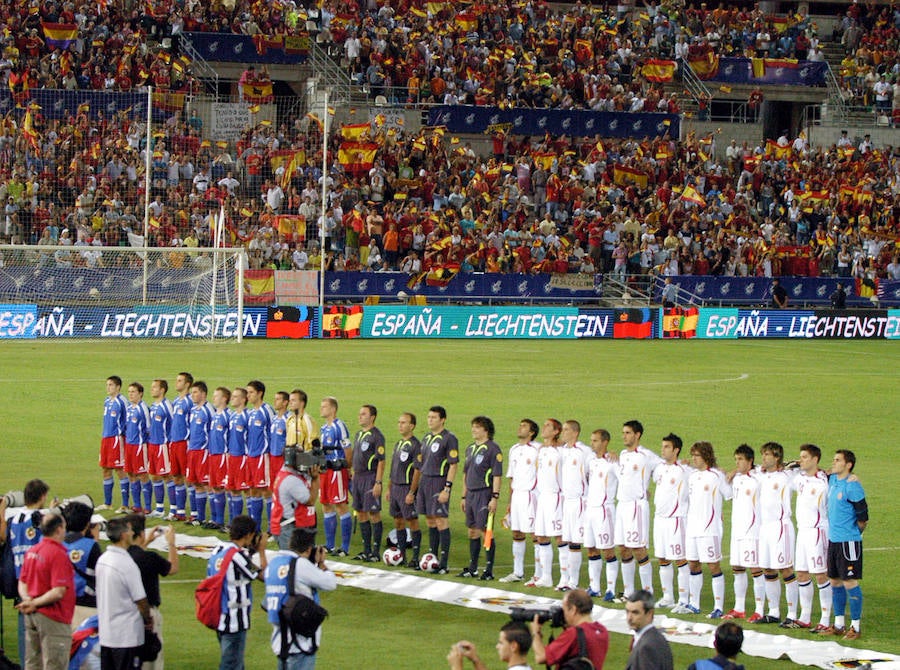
{"points": [[111, 441], [178, 434], [158, 443], [137, 464]]}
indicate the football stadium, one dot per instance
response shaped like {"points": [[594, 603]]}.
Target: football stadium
{"points": [[239, 235]]}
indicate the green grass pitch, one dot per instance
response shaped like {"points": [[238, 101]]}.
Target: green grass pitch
{"points": [[834, 394]]}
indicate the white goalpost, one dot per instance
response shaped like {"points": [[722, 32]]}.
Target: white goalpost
{"points": [[129, 292]]}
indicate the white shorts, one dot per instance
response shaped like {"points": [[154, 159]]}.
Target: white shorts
{"points": [[744, 552], [600, 527], [668, 538], [548, 515], [776, 545], [522, 506], [812, 550], [573, 520], [633, 524], [706, 549]]}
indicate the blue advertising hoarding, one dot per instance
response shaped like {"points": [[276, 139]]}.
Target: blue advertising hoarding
{"points": [[730, 323], [568, 122], [17, 321]]}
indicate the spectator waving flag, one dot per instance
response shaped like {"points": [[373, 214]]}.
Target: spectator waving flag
{"points": [[60, 35]]}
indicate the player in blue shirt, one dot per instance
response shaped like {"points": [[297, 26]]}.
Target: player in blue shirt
{"points": [[181, 412], [158, 444], [218, 456], [236, 481], [259, 424], [137, 463], [848, 514], [278, 433], [198, 450], [334, 483], [112, 458]]}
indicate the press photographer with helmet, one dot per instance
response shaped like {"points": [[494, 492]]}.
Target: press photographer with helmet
{"points": [[582, 637], [294, 493]]}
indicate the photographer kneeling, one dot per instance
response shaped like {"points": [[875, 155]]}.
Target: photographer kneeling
{"points": [[576, 607], [305, 563], [513, 644]]}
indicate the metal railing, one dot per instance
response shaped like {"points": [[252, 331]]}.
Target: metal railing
{"points": [[201, 69], [693, 84], [331, 75], [835, 97]]}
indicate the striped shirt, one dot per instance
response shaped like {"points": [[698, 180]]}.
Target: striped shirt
{"points": [[237, 596]]}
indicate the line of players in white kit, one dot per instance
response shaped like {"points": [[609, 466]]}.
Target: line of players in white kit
{"points": [[574, 495]]}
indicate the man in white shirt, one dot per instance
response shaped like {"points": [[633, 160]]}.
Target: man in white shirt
{"points": [[122, 607], [671, 507], [707, 489], [636, 464], [522, 475], [574, 456], [548, 512], [776, 534], [811, 485], [600, 515], [745, 524]]}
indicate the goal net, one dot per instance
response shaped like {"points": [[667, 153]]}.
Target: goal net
{"points": [[123, 292]]}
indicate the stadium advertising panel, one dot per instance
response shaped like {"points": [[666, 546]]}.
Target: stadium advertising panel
{"points": [[33, 321], [724, 323], [505, 322], [17, 321]]}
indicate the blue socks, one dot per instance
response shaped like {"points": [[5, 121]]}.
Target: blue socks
{"points": [[124, 486], [346, 531], [330, 523], [180, 498], [217, 508], [147, 489], [254, 509], [136, 493], [200, 497], [108, 485], [839, 600], [855, 597]]}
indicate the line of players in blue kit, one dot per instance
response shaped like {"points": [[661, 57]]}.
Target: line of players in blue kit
{"points": [[191, 451]]}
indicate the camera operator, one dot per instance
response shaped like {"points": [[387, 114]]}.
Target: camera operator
{"points": [[512, 646], [294, 494], [311, 575], [84, 552], [577, 607]]}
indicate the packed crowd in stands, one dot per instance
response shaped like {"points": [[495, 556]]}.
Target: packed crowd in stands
{"points": [[535, 205], [870, 71]]}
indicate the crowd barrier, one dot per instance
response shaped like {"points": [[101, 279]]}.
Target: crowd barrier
{"points": [[770, 72], [264, 287], [568, 122], [230, 48], [47, 321]]}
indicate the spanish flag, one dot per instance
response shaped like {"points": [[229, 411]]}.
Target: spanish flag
{"points": [[690, 194], [705, 66], [259, 287], [658, 71], [169, 102], [776, 150], [315, 119], [60, 35], [257, 92], [466, 21], [30, 133], [355, 132], [624, 175], [357, 156]]}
